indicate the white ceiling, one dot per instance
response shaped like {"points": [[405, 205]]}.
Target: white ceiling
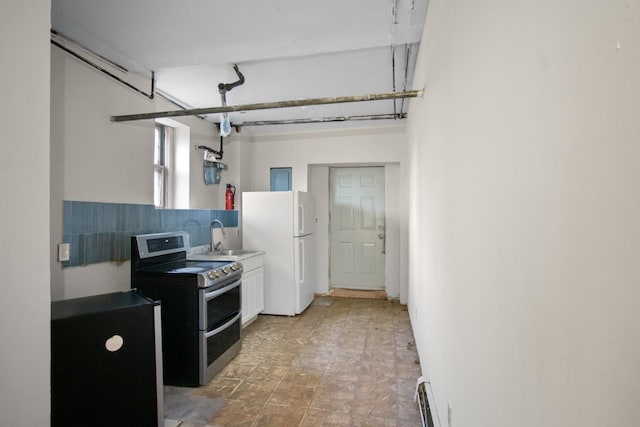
{"points": [[286, 49]]}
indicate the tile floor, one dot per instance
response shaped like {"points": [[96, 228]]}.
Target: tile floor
{"points": [[343, 362]]}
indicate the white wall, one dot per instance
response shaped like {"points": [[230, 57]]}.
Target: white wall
{"points": [[94, 159], [300, 149], [310, 153], [525, 220], [24, 293]]}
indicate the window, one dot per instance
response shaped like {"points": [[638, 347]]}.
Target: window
{"points": [[280, 179], [163, 135]]}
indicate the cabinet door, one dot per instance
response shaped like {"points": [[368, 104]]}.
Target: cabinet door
{"points": [[253, 294]]}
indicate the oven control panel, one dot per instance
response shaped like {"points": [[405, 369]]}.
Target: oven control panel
{"points": [[211, 277]]}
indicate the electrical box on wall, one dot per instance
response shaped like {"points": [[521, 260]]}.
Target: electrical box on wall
{"points": [[212, 171], [64, 251]]}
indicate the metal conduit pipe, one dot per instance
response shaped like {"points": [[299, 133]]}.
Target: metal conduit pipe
{"points": [[154, 90], [269, 105], [170, 99], [66, 39], [393, 75], [406, 72], [392, 116], [108, 73]]}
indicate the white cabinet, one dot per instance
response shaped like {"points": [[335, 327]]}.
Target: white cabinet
{"points": [[252, 288]]}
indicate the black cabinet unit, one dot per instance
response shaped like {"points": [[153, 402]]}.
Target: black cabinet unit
{"points": [[106, 364]]}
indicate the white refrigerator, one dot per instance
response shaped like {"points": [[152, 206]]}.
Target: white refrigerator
{"points": [[281, 223]]}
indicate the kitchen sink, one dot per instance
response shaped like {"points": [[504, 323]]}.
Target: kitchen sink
{"points": [[224, 254], [231, 252]]}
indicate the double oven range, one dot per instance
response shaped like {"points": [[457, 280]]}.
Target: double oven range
{"points": [[200, 306]]}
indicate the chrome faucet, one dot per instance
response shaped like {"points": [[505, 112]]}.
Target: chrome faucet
{"points": [[216, 246]]}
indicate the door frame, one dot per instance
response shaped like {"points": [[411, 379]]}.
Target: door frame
{"points": [[396, 223]]}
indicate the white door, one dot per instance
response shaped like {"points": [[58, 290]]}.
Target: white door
{"points": [[357, 228]]}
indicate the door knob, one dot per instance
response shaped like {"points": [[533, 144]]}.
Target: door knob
{"points": [[381, 236]]}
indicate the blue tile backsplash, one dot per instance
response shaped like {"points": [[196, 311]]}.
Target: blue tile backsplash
{"points": [[101, 232]]}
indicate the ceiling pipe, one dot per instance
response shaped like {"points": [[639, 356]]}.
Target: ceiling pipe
{"points": [[217, 153], [393, 75], [70, 41], [223, 88], [406, 72], [103, 70], [226, 87], [392, 116], [269, 105], [76, 45], [172, 100]]}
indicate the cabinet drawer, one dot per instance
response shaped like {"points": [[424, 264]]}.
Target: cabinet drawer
{"points": [[252, 263]]}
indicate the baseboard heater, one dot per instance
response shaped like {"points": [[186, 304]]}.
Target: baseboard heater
{"points": [[422, 397]]}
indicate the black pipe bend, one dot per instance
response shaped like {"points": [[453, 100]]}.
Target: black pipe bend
{"points": [[226, 87], [218, 154]]}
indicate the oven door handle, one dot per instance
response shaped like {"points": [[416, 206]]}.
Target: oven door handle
{"points": [[223, 327], [213, 294]]}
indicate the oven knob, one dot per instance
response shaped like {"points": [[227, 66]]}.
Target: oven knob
{"points": [[211, 275], [235, 267], [226, 269], [218, 273]]}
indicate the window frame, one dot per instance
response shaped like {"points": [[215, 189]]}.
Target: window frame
{"points": [[275, 178], [162, 164]]}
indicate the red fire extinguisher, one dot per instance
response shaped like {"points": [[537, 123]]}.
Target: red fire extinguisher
{"points": [[229, 197]]}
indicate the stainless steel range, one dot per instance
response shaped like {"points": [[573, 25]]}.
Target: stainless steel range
{"points": [[200, 303]]}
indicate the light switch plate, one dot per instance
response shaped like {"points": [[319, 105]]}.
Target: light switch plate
{"points": [[64, 250]]}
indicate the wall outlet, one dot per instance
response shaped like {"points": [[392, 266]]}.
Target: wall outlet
{"points": [[64, 250]]}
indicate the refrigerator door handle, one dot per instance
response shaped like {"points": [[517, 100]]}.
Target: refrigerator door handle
{"points": [[300, 218], [301, 260]]}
